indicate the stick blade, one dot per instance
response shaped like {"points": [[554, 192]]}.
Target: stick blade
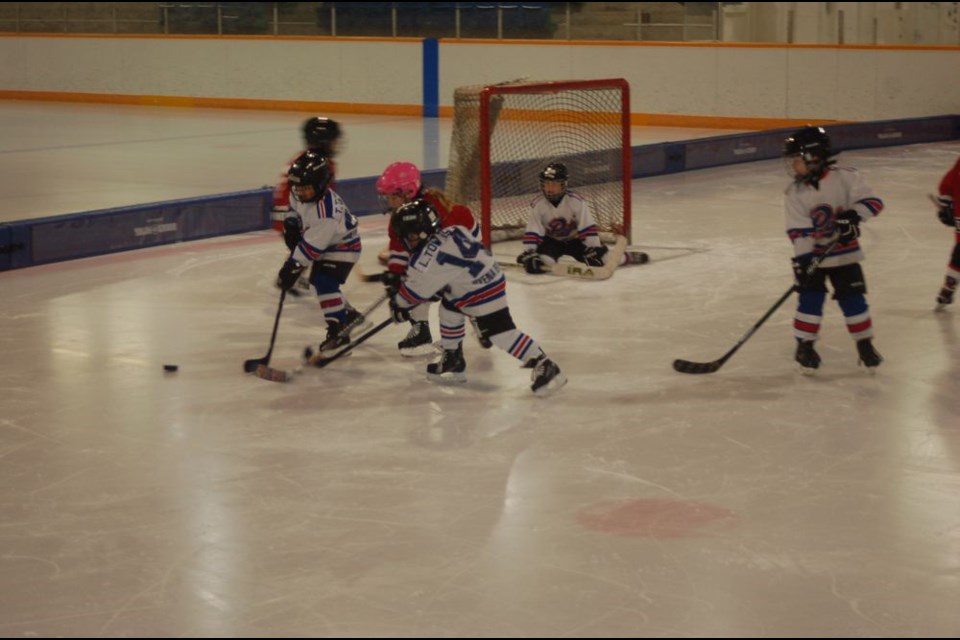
{"points": [[320, 361], [250, 366], [685, 366], [273, 375]]}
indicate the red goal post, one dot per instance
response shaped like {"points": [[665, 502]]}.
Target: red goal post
{"points": [[505, 134]]}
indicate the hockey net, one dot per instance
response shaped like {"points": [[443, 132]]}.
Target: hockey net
{"points": [[505, 134]]}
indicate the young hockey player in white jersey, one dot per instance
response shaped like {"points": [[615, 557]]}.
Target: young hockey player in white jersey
{"points": [[822, 203], [322, 136], [452, 263], [329, 241], [561, 223]]}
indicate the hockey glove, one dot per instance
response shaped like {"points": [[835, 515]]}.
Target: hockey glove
{"points": [[289, 273], [848, 225], [399, 314], [532, 262], [391, 282], [945, 211], [593, 256], [801, 268], [292, 234]]}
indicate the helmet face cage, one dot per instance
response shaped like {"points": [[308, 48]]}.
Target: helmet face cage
{"points": [[310, 170], [812, 144], [554, 172], [321, 134], [414, 222]]}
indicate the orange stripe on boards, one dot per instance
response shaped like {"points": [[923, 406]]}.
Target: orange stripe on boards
{"points": [[216, 103], [720, 122], [698, 45], [178, 36], [489, 41], [636, 119]]}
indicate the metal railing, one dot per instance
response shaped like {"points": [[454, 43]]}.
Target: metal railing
{"points": [[500, 20], [822, 23]]}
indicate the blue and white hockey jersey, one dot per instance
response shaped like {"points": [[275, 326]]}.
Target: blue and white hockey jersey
{"points": [[457, 266], [329, 230]]}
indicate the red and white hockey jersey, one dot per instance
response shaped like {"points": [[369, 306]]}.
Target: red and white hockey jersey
{"points": [[811, 212], [571, 219]]}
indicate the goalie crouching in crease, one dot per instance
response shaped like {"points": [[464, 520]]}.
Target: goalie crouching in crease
{"points": [[451, 263], [560, 224]]}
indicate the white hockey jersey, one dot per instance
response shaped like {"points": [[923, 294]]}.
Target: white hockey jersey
{"points": [[571, 219], [455, 264], [811, 211], [329, 230]]}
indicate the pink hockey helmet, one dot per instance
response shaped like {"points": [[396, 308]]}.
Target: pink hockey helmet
{"points": [[401, 179]]}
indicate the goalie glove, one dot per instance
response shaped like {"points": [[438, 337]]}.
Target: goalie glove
{"points": [[945, 210], [289, 274], [847, 224], [532, 262], [593, 256]]}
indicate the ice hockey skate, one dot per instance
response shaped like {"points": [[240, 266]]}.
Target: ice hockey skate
{"points": [[868, 355], [355, 321], [418, 342], [339, 334], [450, 368], [944, 298], [546, 376], [808, 360], [336, 337], [632, 256]]}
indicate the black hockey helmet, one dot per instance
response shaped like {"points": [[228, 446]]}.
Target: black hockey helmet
{"points": [[554, 172], [414, 222], [320, 134], [310, 169], [813, 145]]}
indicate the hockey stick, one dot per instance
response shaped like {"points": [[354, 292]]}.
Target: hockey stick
{"points": [[308, 354], [254, 364], [584, 271], [686, 366], [265, 371], [382, 260], [320, 362]]}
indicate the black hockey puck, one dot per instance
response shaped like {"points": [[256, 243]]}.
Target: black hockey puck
{"points": [[170, 368]]}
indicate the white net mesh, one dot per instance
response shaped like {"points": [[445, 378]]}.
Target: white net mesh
{"points": [[582, 124]]}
